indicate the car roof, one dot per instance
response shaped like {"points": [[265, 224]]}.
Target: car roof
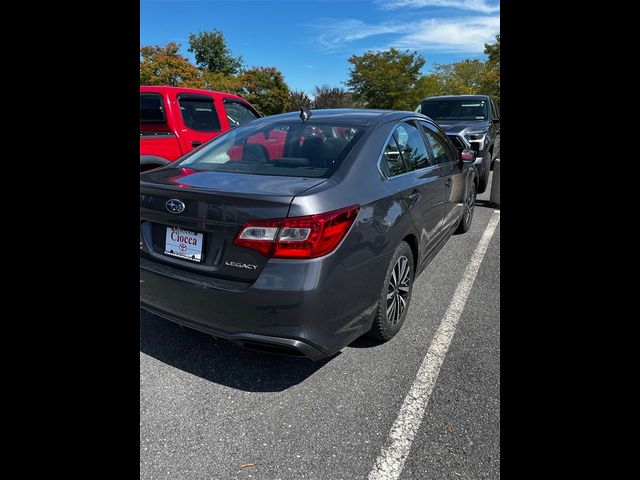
{"points": [[166, 89], [355, 116], [455, 97]]}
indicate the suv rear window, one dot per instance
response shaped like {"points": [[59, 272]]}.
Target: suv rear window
{"points": [[151, 108], [199, 113], [281, 149]]}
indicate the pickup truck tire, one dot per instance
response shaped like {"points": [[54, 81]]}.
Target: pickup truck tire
{"points": [[147, 162], [484, 178]]}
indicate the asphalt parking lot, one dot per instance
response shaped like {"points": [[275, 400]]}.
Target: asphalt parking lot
{"points": [[210, 410]]}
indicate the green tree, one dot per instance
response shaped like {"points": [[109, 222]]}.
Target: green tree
{"points": [[266, 89], [469, 77], [212, 54], [462, 78], [493, 69], [332, 97], [386, 79], [493, 51], [429, 86], [220, 82], [298, 99], [165, 66]]}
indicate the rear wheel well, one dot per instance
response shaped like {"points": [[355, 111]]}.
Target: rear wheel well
{"points": [[413, 243]]}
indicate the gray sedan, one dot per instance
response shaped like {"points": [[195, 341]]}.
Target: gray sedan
{"points": [[298, 233]]}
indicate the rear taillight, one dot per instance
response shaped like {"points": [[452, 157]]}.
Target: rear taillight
{"points": [[298, 237]]}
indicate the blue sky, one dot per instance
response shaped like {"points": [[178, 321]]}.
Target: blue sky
{"points": [[310, 41]]}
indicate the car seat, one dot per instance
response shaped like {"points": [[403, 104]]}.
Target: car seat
{"points": [[256, 153], [312, 150]]}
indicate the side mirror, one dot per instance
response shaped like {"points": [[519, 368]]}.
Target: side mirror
{"points": [[467, 156]]}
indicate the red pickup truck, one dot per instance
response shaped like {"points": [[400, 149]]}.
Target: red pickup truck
{"points": [[175, 120]]}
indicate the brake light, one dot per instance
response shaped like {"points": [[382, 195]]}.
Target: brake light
{"points": [[298, 237]]}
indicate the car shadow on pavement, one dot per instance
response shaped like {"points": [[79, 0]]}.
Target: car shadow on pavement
{"points": [[365, 342], [485, 203], [221, 361]]}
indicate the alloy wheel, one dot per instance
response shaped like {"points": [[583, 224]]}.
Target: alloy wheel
{"points": [[398, 290]]}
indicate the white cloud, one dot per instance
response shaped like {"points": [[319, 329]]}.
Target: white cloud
{"points": [[451, 35], [444, 35], [338, 32], [481, 6]]}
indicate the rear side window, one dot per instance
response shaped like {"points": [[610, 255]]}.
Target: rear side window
{"points": [[281, 149], [199, 113], [412, 147], [238, 113], [392, 157], [151, 108]]}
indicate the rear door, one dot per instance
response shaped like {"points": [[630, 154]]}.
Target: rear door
{"points": [[448, 160], [198, 120], [420, 182]]}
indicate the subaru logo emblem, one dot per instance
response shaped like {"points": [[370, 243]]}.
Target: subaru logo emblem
{"points": [[175, 206]]}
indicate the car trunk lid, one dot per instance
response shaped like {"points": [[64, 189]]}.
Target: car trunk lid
{"points": [[216, 205]]}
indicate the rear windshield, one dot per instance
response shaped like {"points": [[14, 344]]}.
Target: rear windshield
{"points": [[454, 109], [282, 149]]}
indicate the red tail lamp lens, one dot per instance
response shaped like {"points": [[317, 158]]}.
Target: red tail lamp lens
{"points": [[298, 237]]}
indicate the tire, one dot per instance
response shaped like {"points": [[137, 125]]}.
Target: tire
{"points": [[484, 179], [388, 320], [467, 212]]}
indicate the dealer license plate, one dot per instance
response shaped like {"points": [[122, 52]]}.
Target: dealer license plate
{"points": [[184, 244]]}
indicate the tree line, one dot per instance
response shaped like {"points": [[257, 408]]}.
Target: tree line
{"points": [[389, 79]]}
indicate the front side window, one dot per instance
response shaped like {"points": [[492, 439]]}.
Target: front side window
{"points": [[238, 114], [199, 113], [151, 108], [437, 146], [496, 113], [281, 149]]}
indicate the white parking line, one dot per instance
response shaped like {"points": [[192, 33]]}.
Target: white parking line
{"points": [[390, 462]]}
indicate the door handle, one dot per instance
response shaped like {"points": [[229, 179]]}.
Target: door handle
{"points": [[196, 143], [415, 197], [448, 182]]}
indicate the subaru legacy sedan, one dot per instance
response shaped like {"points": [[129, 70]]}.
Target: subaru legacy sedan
{"points": [[298, 233]]}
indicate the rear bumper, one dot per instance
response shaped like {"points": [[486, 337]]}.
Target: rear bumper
{"points": [[252, 341], [311, 308]]}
